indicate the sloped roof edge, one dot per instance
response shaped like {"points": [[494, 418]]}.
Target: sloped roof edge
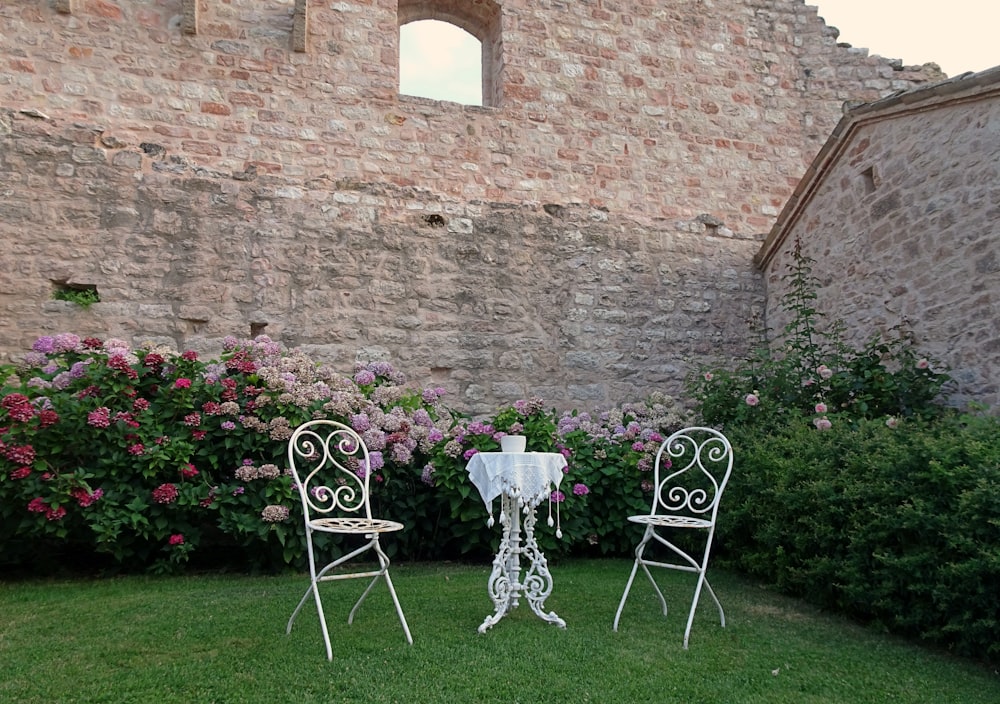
{"points": [[962, 88]]}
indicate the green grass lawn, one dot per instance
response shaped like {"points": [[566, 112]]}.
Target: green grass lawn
{"points": [[221, 638]]}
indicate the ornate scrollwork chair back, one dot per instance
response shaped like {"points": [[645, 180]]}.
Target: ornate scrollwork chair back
{"points": [[331, 467], [691, 471]]}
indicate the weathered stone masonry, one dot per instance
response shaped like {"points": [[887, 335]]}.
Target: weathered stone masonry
{"points": [[219, 167], [901, 213]]}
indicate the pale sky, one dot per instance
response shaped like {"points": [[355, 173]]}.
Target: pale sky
{"points": [[957, 35], [452, 60]]}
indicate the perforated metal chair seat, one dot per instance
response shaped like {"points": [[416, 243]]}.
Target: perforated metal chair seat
{"points": [[671, 521], [360, 526]]}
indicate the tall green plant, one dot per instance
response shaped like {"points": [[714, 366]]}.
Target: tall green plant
{"points": [[809, 373]]}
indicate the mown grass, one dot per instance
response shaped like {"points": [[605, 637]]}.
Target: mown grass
{"points": [[220, 638]]}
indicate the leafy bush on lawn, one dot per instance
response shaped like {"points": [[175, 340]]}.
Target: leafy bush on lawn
{"points": [[141, 455], [897, 526], [147, 457], [853, 486]]}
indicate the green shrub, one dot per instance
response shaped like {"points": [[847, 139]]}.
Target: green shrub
{"points": [[854, 487], [151, 458], [899, 527]]}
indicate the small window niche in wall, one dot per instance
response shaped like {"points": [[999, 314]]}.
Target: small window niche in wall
{"points": [[440, 61], [83, 295], [870, 179]]}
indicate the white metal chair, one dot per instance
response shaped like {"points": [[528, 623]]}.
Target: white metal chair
{"points": [[330, 465], [692, 469]]}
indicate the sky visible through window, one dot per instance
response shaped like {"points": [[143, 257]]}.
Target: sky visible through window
{"points": [[438, 60]]}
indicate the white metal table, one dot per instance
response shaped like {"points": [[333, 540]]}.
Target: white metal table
{"points": [[522, 480]]}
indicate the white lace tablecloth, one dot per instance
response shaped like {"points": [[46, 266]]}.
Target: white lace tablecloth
{"points": [[527, 476]]}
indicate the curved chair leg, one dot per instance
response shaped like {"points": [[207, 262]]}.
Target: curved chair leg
{"points": [[314, 588], [399, 609], [722, 614], [628, 586], [694, 606]]}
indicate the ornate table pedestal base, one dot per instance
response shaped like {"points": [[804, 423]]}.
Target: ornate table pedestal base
{"points": [[506, 582]]}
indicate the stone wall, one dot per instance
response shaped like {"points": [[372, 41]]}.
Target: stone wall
{"points": [[220, 166], [902, 220], [492, 301]]}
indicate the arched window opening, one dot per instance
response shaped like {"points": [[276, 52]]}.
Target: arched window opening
{"points": [[478, 23], [441, 61]]}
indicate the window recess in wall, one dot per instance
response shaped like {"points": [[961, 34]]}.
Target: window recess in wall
{"points": [[450, 51], [870, 179]]}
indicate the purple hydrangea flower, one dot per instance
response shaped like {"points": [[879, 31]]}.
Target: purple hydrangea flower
{"points": [[66, 342], [44, 344], [427, 475], [375, 461], [35, 359], [364, 377], [361, 422]]}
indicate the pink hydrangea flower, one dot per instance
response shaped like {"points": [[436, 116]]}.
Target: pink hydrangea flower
{"points": [[165, 494], [822, 423], [85, 498], [824, 371], [19, 454], [821, 407], [176, 539], [55, 514], [922, 363], [99, 418], [182, 383], [752, 399], [20, 473]]}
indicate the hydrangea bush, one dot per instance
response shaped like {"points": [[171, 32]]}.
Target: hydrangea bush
{"points": [[150, 457], [608, 476], [142, 454]]}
